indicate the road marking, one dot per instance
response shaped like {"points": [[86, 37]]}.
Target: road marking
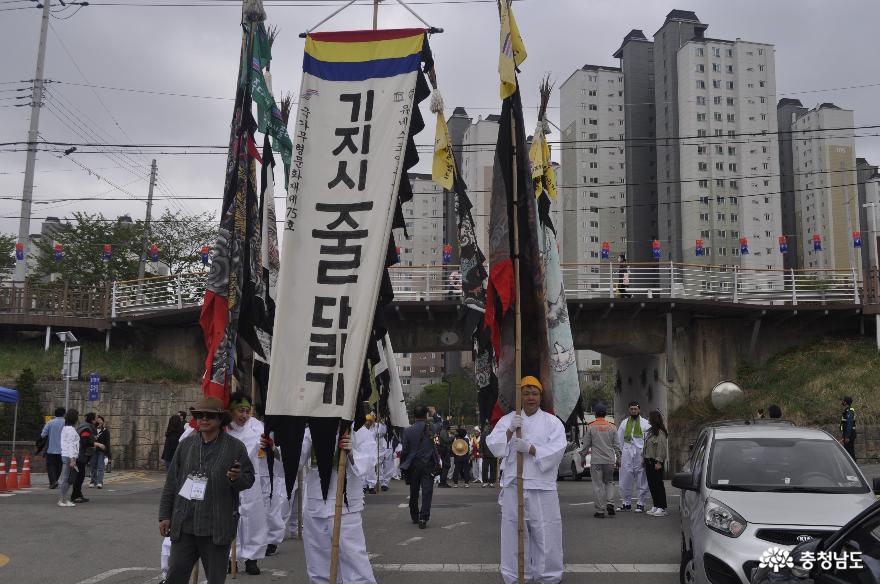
{"points": [[403, 506], [372, 555], [7, 494], [569, 568], [280, 573], [454, 525], [410, 540], [110, 573], [579, 504], [3, 560]]}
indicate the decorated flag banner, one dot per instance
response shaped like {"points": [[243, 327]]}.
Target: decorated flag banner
{"points": [[206, 251], [107, 254], [744, 246], [355, 109], [656, 251], [605, 253], [154, 253], [397, 254], [699, 249], [783, 244], [19, 251], [857, 239], [817, 242], [447, 253], [59, 252]]}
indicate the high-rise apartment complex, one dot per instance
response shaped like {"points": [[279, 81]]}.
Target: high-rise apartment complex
{"points": [[477, 161], [788, 110]]}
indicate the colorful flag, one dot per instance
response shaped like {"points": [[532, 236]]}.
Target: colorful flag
{"points": [[59, 252], [447, 253], [19, 251], [206, 252], [783, 244], [513, 51], [353, 143], [154, 253], [743, 245], [698, 248], [605, 252], [107, 253], [857, 239], [542, 171], [817, 242], [443, 168], [656, 251]]}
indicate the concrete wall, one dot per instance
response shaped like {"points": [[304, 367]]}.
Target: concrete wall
{"points": [[136, 414]]}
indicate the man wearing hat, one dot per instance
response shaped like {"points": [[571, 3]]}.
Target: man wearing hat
{"points": [[848, 426], [601, 437], [631, 435], [200, 497], [542, 444]]}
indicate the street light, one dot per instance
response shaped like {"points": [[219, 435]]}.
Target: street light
{"points": [[445, 379]]}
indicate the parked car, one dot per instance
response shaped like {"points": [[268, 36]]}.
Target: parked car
{"points": [[749, 486], [574, 464], [861, 535]]}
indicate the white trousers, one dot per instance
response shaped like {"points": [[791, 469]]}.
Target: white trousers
{"points": [[632, 474], [165, 555], [477, 470], [253, 531], [543, 536], [386, 467], [354, 564], [277, 509]]}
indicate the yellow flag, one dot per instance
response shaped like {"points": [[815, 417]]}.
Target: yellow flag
{"points": [[443, 170], [542, 170], [513, 51]]}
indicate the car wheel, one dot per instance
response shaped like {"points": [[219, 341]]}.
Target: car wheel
{"points": [[687, 572], [574, 472]]}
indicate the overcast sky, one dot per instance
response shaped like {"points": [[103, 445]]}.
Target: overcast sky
{"points": [[194, 50]]}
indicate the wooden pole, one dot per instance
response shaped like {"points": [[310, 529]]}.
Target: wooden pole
{"points": [[337, 518], [195, 574], [235, 557], [299, 505], [520, 496]]}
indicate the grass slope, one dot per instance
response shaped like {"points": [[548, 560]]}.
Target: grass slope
{"points": [[806, 383], [119, 364]]}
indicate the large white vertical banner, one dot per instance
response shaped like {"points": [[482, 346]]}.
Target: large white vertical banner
{"points": [[355, 107]]}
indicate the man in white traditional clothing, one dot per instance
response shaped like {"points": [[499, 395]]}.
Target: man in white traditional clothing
{"points": [[318, 514], [274, 496], [367, 443], [386, 455], [252, 538], [631, 432], [542, 445], [293, 515]]}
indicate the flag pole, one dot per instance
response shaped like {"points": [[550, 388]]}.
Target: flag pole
{"points": [[375, 14], [299, 505], [337, 517], [520, 496]]}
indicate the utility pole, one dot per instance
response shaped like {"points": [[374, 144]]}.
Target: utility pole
{"points": [[147, 224], [27, 193]]}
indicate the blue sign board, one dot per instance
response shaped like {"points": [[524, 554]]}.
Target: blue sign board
{"points": [[94, 387]]}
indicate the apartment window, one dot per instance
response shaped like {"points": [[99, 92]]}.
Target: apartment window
{"points": [[701, 69], [583, 106], [760, 51], [699, 52], [594, 254], [593, 77], [733, 200], [729, 52], [731, 133], [702, 166], [730, 85], [701, 149], [719, 166], [701, 84], [763, 116], [594, 195], [722, 233], [594, 209], [592, 150], [761, 83], [722, 251], [719, 149], [719, 182], [594, 136], [620, 93], [594, 239], [734, 217], [704, 200], [594, 122], [620, 79], [719, 132], [594, 224], [701, 100], [716, 52], [767, 216], [701, 133], [594, 180], [592, 93], [717, 116], [716, 67], [704, 216], [716, 100], [704, 184], [730, 101], [731, 167], [593, 107], [594, 165], [583, 135], [764, 149], [730, 68], [731, 150], [583, 91], [705, 233], [701, 117], [731, 117], [716, 83], [721, 216]]}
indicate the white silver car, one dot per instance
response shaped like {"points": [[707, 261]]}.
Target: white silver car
{"points": [[750, 486]]}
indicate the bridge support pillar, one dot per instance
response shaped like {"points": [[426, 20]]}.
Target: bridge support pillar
{"points": [[877, 329], [48, 338], [107, 341], [670, 350]]}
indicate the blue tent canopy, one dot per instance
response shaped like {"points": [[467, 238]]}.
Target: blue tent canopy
{"points": [[8, 396]]}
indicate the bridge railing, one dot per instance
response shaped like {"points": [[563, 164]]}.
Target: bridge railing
{"points": [[158, 293], [57, 299]]}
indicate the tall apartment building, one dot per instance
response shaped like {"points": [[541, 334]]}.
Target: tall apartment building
{"points": [[717, 176], [825, 179], [477, 165], [788, 110]]}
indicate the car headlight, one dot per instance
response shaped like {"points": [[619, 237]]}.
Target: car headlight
{"points": [[723, 519]]}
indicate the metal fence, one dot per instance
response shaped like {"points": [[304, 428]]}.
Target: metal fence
{"points": [[158, 293]]}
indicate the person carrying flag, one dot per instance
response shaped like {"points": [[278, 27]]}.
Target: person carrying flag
{"points": [[542, 445]]}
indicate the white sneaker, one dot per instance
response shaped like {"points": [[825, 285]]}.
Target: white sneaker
{"points": [[651, 511], [99, 486], [661, 513]]}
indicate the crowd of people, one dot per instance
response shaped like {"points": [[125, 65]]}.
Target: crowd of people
{"points": [[72, 448]]}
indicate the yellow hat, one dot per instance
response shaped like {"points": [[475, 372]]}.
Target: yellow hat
{"points": [[532, 381], [371, 417]]}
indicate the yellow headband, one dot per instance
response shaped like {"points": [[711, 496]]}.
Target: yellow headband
{"points": [[532, 381], [370, 417]]}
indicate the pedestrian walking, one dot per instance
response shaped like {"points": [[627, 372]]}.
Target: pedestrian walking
{"points": [[318, 516], [366, 442], [848, 432], [623, 277], [52, 434], [418, 463], [172, 438], [69, 454], [462, 458], [444, 447], [490, 463], [542, 445], [165, 554], [199, 504], [655, 455], [631, 434], [86, 432], [476, 456], [101, 455], [601, 437]]}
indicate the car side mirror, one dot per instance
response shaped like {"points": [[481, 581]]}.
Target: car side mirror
{"points": [[876, 486], [684, 481]]}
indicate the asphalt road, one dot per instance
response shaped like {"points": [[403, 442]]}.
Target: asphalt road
{"points": [[114, 538]]}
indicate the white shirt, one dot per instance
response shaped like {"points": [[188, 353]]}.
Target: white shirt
{"points": [[543, 431], [250, 435], [69, 442], [638, 441], [315, 505]]}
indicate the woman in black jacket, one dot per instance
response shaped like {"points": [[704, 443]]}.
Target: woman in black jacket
{"points": [[102, 453], [172, 438]]}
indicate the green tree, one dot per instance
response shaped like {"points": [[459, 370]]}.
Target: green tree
{"points": [[30, 414], [601, 392], [83, 239], [463, 397], [7, 254], [180, 239]]}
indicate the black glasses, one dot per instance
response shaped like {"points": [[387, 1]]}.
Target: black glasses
{"points": [[206, 415]]}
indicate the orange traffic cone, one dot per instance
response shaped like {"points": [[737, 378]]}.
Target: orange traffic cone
{"points": [[12, 477], [25, 482], [2, 476]]}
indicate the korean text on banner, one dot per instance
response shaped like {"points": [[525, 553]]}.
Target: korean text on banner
{"points": [[349, 141]]}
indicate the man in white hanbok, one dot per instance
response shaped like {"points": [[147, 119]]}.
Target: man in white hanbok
{"points": [[631, 432], [354, 564], [252, 538], [542, 445], [367, 444], [274, 496]]}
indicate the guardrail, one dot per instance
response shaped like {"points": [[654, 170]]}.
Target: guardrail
{"points": [[437, 283]]}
